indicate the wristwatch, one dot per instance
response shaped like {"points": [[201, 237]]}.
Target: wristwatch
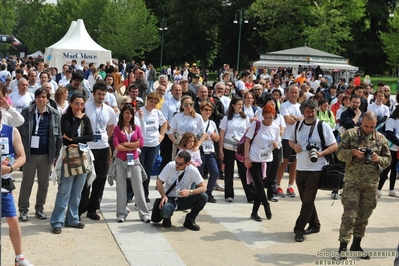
{"points": [[191, 192], [11, 169]]}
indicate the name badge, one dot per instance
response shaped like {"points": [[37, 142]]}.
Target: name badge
{"points": [[97, 136], [208, 148], [35, 142], [264, 154], [130, 159], [4, 145], [82, 147]]}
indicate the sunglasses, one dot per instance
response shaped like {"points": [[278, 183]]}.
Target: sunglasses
{"points": [[179, 164], [128, 104], [188, 105]]}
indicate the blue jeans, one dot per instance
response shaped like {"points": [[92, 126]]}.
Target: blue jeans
{"points": [[150, 87], [195, 202], [147, 159], [68, 195], [210, 161]]}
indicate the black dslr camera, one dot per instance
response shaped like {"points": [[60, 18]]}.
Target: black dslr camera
{"points": [[367, 154], [312, 148]]}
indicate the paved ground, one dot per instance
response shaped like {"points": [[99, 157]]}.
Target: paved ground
{"points": [[227, 236]]}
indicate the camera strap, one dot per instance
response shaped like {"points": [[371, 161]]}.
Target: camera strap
{"points": [[299, 129]]}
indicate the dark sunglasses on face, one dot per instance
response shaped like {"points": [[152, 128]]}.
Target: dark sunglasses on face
{"points": [[188, 105], [179, 164]]}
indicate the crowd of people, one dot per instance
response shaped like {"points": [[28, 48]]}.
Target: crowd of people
{"points": [[114, 114]]}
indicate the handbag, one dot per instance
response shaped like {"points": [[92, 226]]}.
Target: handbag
{"points": [[156, 212], [74, 161], [332, 174], [332, 177]]}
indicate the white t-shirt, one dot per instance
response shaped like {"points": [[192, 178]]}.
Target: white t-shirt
{"points": [[183, 123], [100, 118], [234, 130], [151, 122], [240, 85], [170, 108], [249, 111], [13, 84], [169, 175], [21, 101], [93, 81], [393, 126], [3, 75], [262, 145], [109, 99], [288, 108], [208, 146], [226, 102], [63, 82], [303, 161], [379, 110]]}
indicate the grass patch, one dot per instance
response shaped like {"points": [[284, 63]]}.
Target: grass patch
{"points": [[391, 82]]}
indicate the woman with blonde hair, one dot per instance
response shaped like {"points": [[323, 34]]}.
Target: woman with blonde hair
{"points": [[61, 98]]}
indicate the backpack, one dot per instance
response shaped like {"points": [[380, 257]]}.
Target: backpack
{"points": [[240, 145]]}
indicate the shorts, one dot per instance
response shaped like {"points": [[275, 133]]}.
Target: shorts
{"points": [[287, 150], [8, 206]]}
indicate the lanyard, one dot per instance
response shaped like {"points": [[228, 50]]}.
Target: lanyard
{"points": [[311, 129], [38, 118], [98, 116], [128, 136]]}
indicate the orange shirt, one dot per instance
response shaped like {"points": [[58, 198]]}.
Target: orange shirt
{"points": [[300, 80]]}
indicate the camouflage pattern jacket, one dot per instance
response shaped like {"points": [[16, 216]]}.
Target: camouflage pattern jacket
{"points": [[357, 172]]}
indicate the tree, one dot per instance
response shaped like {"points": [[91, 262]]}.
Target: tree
{"points": [[390, 41], [128, 29], [331, 22]]}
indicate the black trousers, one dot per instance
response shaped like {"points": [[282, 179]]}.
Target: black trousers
{"points": [[229, 158], [271, 177], [90, 202], [392, 175], [166, 151], [260, 195], [308, 184]]}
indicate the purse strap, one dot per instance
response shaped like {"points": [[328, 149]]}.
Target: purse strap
{"points": [[174, 184]]}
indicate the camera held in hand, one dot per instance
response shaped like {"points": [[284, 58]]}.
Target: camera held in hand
{"points": [[367, 154], [312, 148]]}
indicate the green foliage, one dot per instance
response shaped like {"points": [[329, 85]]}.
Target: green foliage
{"points": [[128, 29], [331, 24], [390, 41]]}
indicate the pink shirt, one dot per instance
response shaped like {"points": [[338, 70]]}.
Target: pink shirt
{"points": [[120, 137]]}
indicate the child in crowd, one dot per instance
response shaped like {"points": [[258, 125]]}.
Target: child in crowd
{"points": [[188, 143]]}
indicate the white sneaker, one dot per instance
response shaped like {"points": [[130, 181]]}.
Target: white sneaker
{"points": [[146, 219], [334, 195], [218, 187], [379, 194], [121, 218], [229, 199], [392, 193], [23, 262]]}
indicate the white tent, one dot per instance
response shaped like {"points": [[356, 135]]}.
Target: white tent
{"points": [[76, 44], [36, 54]]}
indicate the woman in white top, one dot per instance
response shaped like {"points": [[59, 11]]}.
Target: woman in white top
{"points": [[232, 128], [92, 79], [61, 98], [392, 135], [270, 181], [248, 107], [258, 152], [151, 120], [186, 121], [207, 149]]}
